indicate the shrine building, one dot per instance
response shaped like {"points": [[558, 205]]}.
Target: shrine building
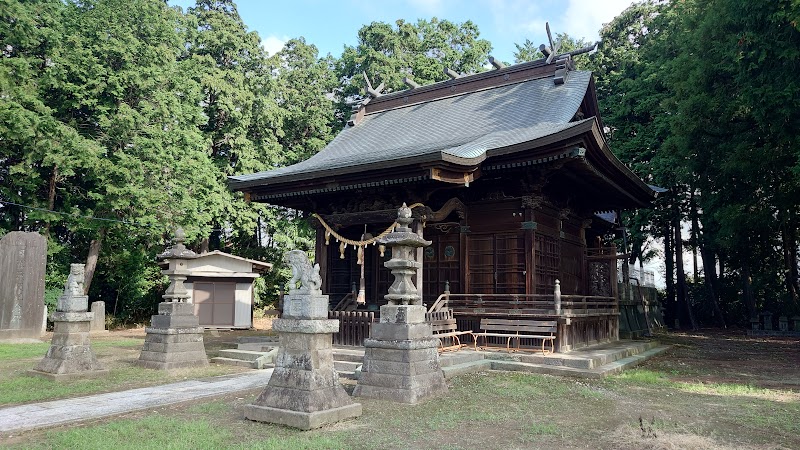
{"points": [[508, 174]]}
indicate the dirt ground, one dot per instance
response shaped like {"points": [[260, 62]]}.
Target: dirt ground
{"points": [[712, 390], [721, 356]]}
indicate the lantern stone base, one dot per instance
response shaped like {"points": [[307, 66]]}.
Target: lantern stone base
{"points": [[304, 390], [70, 355], [174, 340], [401, 359]]}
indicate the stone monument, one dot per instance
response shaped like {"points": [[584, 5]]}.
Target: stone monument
{"points": [[99, 320], [70, 354], [401, 361], [304, 390], [23, 257], [175, 337]]}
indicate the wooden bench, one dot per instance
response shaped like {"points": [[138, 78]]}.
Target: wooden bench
{"points": [[544, 330], [447, 328]]}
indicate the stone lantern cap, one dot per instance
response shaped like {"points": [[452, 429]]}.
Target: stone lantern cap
{"points": [[178, 250], [403, 236]]}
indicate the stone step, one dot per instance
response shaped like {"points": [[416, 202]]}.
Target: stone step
{"points": [[348, 375], [345, 366], [353, 355], [578, 359], [598, 372], [258, 339], [257, 346], [447, 359], [632, 361], [466, 367], [245, 355], [232, 362]]}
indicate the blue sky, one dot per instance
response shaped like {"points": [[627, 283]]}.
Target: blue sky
{"points": [[332, 24]]}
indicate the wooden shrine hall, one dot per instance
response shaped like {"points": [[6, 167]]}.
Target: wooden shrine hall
{"points": [[506, 172]]}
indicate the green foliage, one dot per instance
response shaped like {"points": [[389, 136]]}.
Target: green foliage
{"points": [[699, 97], [137, 112], [419, 50]]}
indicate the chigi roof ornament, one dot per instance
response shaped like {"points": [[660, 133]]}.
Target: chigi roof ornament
{"points": [[563, 61]]}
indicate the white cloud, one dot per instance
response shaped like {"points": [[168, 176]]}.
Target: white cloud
{"points": [[274, 44], [584, 18]]}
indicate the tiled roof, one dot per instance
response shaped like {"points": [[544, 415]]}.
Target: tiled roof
{"points": [[461, 129]]}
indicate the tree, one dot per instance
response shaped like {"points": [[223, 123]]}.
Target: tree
{"points": [[419, 51], [238, 98], [306, 84], [736, 128]]}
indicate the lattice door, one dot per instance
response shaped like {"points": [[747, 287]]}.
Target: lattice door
{"points": [[547, 254]]}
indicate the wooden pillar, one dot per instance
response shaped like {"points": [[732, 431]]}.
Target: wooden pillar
{"points": [[321, 255], [420, 257]]}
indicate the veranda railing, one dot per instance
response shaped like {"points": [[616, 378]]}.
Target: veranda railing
{"points": [[542, 305]]}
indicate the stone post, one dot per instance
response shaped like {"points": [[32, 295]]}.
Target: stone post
{"points": [[557, 297], [796, 326], [174, 338], [99, 320], [401, 361], [767, 320], [70, 355], [755, 323], [783, 323], [304, 390]]}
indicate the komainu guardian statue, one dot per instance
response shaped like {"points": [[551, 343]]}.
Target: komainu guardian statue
{"points": [[303, 272]]}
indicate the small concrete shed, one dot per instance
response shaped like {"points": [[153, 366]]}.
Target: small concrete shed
{"points": [[220, 286]]}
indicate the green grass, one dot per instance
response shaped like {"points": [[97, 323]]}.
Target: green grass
{"points": [[154, 432], [17, 387], [210, 408], [642, 377], [481, 410], [543, 429], [22, 351], [489, 410], [37, 350]]}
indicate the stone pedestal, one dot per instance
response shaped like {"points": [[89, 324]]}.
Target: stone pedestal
{"points": [[401, 361], [70, 355], [174, 339], [304, 390]]}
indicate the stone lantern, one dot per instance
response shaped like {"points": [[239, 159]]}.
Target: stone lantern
{"points": [[175, 337], [401, 361]]}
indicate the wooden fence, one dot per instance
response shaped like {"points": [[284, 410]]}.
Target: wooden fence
{"points": [[353, 326]]}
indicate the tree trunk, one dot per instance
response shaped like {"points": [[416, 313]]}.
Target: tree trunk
{"points": [[710, 275], [747, 291], [684, 305], [789, 237], [51, 197], [695, 233], [91, 260], [670, 301]]}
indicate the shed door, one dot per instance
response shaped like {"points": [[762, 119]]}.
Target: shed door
{"points": [[214, 303]]}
